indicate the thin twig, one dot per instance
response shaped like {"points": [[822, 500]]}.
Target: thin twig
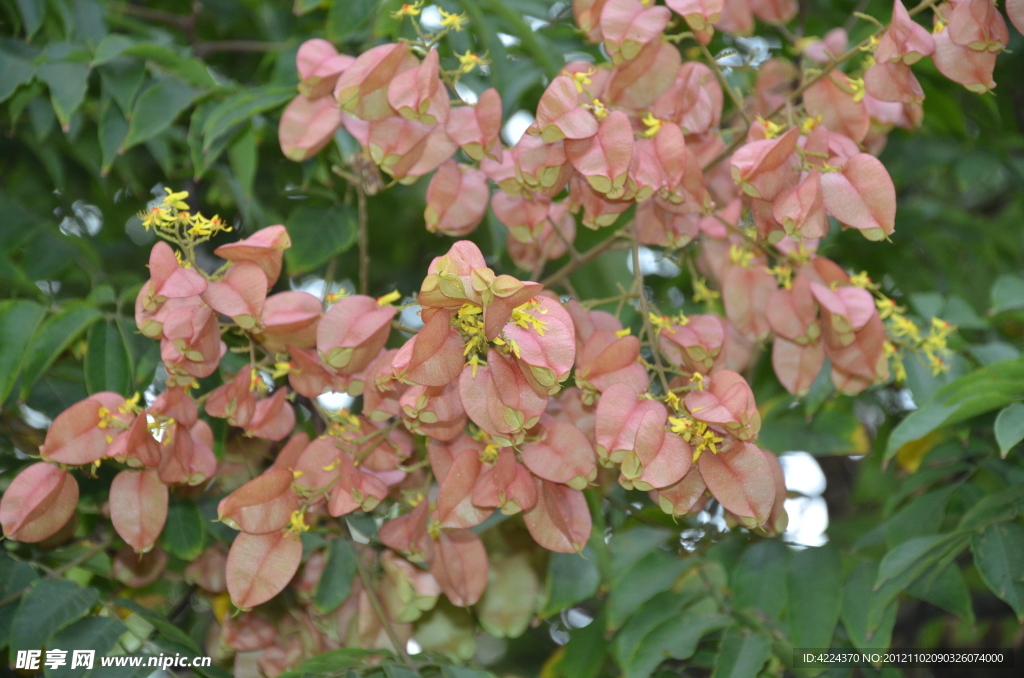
{"points": [[740, 108], [638, 281], [584, 259], [58, 572], [364, 575], [364, 241]]}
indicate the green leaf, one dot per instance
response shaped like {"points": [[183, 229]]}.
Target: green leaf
{"points": [[815, 589], [243, 156], [1007, 293], [345, 18], [947, 590], [189, 69], [68, 82], [329, 663], [241, 107], [994, 508], [915, 555], [452, 671], [586, 650], [921, 517], [92, 633], [47, 608], [395, 671], [54, 337], [999, 555], [107, 366], [858, 594], [185, 531], [983, 390], [1009, 427], [157, 108], [32, 12], [160, 623], [667, 626], [318, 233], [336, 581], [18, 321], [572, 578], [113, 129], [122, 78], [834, 429], [15, 576], [760, 580], [654, 573], [742, 654], [15, 71]]}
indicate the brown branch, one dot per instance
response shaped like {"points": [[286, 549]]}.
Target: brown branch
{"points": [[638, 281], [378, 609], [364, 241], [725, 83], [581, 261]]}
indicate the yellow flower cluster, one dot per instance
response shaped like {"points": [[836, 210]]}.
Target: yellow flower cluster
{"points": [[696, 433], [173, 220]]}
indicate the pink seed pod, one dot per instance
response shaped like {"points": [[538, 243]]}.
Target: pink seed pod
{"points": [[355, 489], [418, 94], [792, 313], [840, 110], [191, 347], [606, 360], [797, 365], [978, 25], [434, 411], [259, 566], [264, 504], [545, 349], [636, 84], [407, 149], [38, 503], [560, 115], [828, 48], [408, 534], [187, 455], [1015, 10], [844, 311], [686, 496], [289, 319], [862, 196], [307, 125], [476, 128], [352, 333], [560, 521], [699, 14], [168, 279], [138, 507], [741, 479], [406, 590], [588, 17], [308, 376], [500, 296], [971, 68], [460, 566], [455, 507], [449, 280], [505, 485], [695, 345], [524, 215], [557, 229], [694, 101], [541, 166], [616, 420], [765, 168], [240, 295], [457, 199], [235, 400], [265, 248], [564, 455], [598, 210], [800, 209], [499, 399], [728, 402], [892, 81], [362, 89], [136, 446], [319, 65], [175, 403], [745, 293], [207, 571], [862, 362], [434, 356], [604, 158], [317, 466], [628, 25], [736, 18], [83, 433], [775, 11], [273, 418], [905, 40], [658, 458]]}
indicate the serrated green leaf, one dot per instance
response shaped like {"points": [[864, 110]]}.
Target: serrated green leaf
{"points": [[1009, 427], [999, 555], [107, 365], [157, 108], [741, 654], [241, 107], [185, 531], [99, 634], [18, 321], [571, 579], [56, 334], [336, 581], [318, 233], [47, 608]]}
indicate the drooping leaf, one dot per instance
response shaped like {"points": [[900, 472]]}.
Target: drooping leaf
{"points": [[15, 71], [999, 555], [815, 590], [858, 594], [1008, 293], [336, 581], [742, 654], [67, 82], [107, 365], [156, 108], [318, 233], [760, 580], [572, 578], [1009, 427], [18, 321], [184, 533], [55, 335], [99, 634], [240, 108], [947, 590]]}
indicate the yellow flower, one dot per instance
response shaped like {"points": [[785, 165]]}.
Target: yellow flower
{"points": [[771, 129], [297, 523], [389, 298], [408, 10], [651, 123], [176, 200], [809, 124], [599, 110], [581, 79], [784, 274], [624, 332], [281, 369], [456, 22], [701, 291], [469, 61], [740, 256], [857, 87]]}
